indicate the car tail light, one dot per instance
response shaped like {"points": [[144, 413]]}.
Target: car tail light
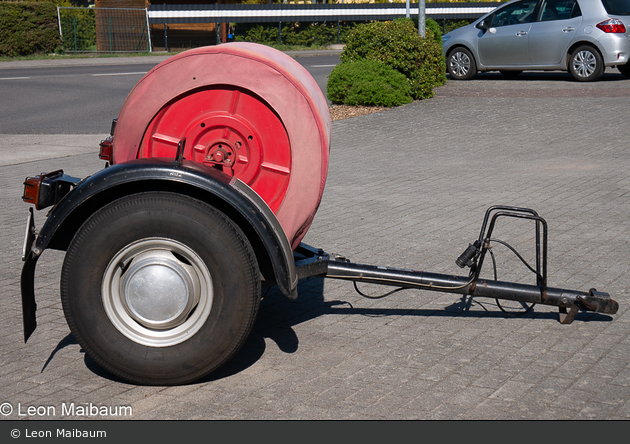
{"points": [[613, 25]]}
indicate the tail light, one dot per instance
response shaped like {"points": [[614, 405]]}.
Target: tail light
{"points": [[612, 26], [47, 189], [106, 150]]}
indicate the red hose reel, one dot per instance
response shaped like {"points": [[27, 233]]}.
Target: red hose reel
{"points": [[247, 109]]}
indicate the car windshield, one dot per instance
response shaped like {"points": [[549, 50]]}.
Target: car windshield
{"points": [[617, 7]]}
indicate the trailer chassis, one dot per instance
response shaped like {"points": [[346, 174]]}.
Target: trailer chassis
{"points": [[311, 261]]}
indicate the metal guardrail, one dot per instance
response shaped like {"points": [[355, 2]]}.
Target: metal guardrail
{"points": [[229, 13]]}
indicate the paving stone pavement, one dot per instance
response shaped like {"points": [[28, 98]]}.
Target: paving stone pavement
{"points": [[408, 188]]}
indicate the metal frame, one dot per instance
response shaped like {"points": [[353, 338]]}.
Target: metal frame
{"points": [[311, 261]]}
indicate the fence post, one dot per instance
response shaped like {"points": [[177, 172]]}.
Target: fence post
{"points": [[109, 20], [74, 25], [59, 22], [279, 33], [141, 35], [149, 45], [338, 22], [165, 38]]}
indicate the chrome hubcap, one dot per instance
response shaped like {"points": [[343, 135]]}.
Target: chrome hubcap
{"points": [[584, 63], [157, 292], [460, 64]]}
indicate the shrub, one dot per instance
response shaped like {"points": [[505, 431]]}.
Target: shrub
{"points": [[79, 29], [454, 24], [263, 34], [296, 34], [433, 31], [368, 83], [398, 45], [28, 28]]}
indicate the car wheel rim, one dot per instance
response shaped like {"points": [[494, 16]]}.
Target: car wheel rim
{"points": [[460, 64], [584, 63], [157, 292]]}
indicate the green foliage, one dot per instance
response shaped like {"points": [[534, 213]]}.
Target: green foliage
{"points": [[28, 28], [433, 30], [398, 45], [454, 24], [78, 28], [264, 34], [294, 34], [368, 83]]}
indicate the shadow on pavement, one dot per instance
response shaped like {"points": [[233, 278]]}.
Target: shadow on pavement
{"points": [[278, 315], [545, 76]]}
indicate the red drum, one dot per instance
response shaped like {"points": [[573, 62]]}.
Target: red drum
{"points": [[247, 109]]}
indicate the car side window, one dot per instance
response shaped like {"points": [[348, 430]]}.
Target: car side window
{"points": [[559, 10], [513, 14]]}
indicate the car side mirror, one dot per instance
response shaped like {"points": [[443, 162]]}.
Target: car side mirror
{"points": [[483, 25]]}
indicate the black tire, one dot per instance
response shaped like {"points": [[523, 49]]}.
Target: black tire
{"points": [[511, 74], [586, 64], [624, 69], [461, 64], [159, 288]]}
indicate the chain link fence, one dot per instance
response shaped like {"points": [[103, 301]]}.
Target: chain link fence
{"points": [[104, 29]]}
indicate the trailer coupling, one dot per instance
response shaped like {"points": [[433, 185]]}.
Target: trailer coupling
{"points": [[315, 262]]}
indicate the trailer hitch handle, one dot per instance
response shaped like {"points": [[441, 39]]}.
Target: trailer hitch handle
{"points": [[467, 257]]}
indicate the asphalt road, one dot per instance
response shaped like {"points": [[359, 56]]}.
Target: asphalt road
{"points": [[83, 99]]}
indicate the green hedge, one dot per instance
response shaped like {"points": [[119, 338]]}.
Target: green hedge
{"points": [[368, 83], [297, 34], [28, 28], [398, 45], [78, 27]]}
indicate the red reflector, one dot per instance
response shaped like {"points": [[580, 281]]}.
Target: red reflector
{"points": [[106, 149], [613, 25]]}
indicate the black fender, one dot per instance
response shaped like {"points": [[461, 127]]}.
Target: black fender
{"points": [[229, 195]]}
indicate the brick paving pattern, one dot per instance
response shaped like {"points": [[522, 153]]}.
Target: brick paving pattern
{"points": [[408, 188]]}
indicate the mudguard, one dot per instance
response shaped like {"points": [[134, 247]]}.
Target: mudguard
{"points": [[139, 175]]}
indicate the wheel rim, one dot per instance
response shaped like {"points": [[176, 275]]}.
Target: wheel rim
{"points": [[584, 63], [157, 292], [460, 64]]}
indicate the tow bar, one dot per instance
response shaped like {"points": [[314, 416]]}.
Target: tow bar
{"points": [[315, 262]]}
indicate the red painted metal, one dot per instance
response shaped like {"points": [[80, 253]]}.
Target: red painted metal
{"points": [[247, 109], [228, 128]]}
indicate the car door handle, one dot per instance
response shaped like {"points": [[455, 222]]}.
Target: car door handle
{"points": [[521, 33], [569, 29]]}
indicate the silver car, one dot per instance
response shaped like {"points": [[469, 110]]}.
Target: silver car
{"points": [[579, 36]]}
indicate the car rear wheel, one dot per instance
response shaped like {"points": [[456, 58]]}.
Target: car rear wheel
{"points": [[586, 64], [461, 64], [160, 288]]}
